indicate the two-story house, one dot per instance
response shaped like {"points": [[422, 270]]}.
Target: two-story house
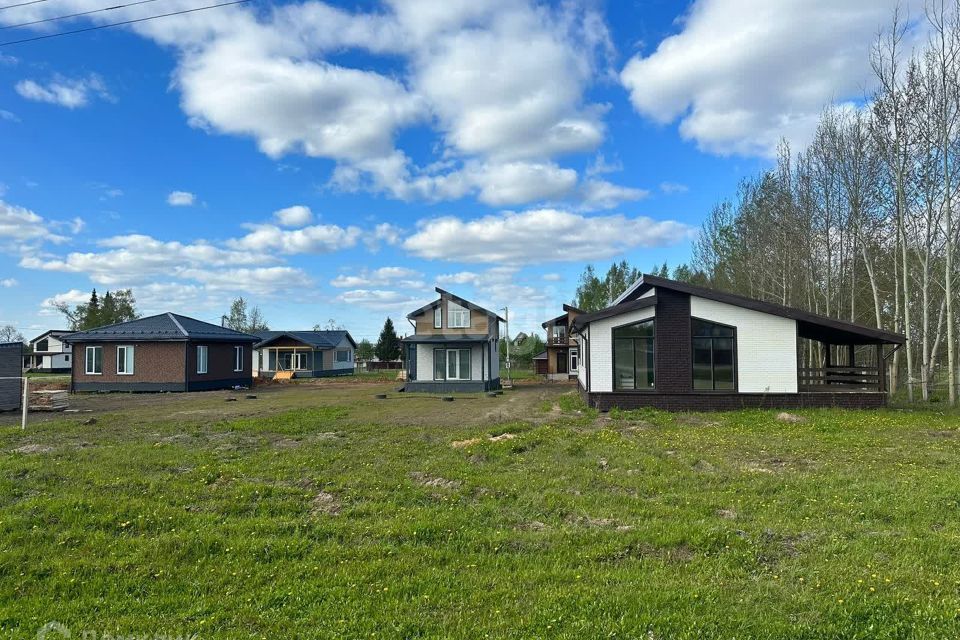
{"points": [[454, 347], [48, 353], [561, 359]]}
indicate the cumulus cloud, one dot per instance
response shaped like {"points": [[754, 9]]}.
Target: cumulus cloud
{"points": [[9, 116], [71, 93], [295, 216], [519, 237], [19, 225], [181, 199], [672, 188], [8, 283], [321, 238], [502, 84], [71, 298], [601, 194], [742, 74], [382, 277], [382, 300]]}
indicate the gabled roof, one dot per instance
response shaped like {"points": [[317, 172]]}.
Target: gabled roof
{"points": [[461, 301], [56, 333], [809, 325], [314, 339], [164, 327]]}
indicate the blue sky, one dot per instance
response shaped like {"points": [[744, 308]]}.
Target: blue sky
{"points": [[338, 160]]}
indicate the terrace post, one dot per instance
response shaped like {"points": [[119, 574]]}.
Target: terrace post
{"points": [[851, 356], [881, 370]]}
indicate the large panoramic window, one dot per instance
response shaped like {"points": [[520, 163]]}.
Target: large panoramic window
{"points": [[451, 364], [633, 356], [93, 361], [713, 359]]}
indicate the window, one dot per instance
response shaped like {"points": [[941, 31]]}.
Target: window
{"points": [[343, 355], [94, 361], [300, 361], [66, 358], [633, 356], [202, 359], [713, 360], [451, 364], [437, 317], [457, 317], [125, 360], [41, 346], [574, 360], [238, 358]]}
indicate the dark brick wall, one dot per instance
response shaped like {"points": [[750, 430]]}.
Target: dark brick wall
{"points": [[153, 362], [11, 365], [733, 401], [220, 361], [672, 343]]}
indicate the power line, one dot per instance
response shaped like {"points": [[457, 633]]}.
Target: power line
{"points": [[75, 15], [21, 4], [118, 24]]}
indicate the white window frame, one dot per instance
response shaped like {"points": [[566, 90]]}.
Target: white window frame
{"points": [[458, 317], [203, 359], [456, 357], [438, 317], [299, 361], [133, 355], [87, 360], [336, 355], [238, 358], [574, 357]]}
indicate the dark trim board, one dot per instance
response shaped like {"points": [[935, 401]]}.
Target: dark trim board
{"points": [[319, 373], [439, 386], [717, 401]]}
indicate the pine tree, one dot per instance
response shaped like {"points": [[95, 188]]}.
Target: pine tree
{"points": [[388, 344]]}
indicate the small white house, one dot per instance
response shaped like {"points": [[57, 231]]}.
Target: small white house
{"points": [[50, 354], [676, 346]]}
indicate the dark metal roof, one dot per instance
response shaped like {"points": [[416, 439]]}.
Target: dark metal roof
{"points": [[315, 339], [809, 325], [554, 320], [540, 356], [51, 332], [641, 303], [463, 337], [164, 327], [461, 301]]}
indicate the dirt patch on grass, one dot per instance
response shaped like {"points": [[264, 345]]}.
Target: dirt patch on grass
{"points": [[727, 514], [29, 449], [434, 482], [790, 418], [325, 504], [464, 444], [703, 466], [694, 420], [598, 523]]}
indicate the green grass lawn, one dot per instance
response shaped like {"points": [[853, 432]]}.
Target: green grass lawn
{"points": [[324, 513]]}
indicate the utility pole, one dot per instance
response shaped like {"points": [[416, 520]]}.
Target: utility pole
{"points": [[506, 321]]}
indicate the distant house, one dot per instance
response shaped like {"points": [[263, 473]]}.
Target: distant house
{"points": [[454, 347], [519, 339], [676, 346], [165, 352], [306, 354], [561, 359], [49, 353], [11, 360]]}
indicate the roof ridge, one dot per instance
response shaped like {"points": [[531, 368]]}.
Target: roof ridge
{"points": [[177, 322]]}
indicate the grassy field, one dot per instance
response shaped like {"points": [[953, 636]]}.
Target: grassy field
{"points": [[320, 512]]}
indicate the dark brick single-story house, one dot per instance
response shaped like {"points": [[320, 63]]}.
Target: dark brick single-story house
{"points": [[677, 346], [165, 352]]}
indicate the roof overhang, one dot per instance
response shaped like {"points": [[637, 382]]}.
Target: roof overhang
{"points": [[443, 339], [640, 303]]}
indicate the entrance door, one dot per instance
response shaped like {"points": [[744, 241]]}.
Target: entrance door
{"points": [[285, 361], [561, 362], [574, 360], [411, 362]]}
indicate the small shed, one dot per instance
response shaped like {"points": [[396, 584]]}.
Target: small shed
{"points": [[11, 369]]}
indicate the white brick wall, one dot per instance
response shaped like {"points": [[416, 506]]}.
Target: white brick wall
{"points": [[601, 347], [766, 346]]}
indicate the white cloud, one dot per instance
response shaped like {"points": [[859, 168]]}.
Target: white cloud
{"points": [[383, 233], [295, 216], [502, 84], [262, 280], [741, 74], [382, 300], [520, 237], [72, 298], [181, 199], [321, 238], [20, 225], [9, 116], [552, 277], [600, 194], [672, 188], [382, 277], [71, 93], [8, 283]]}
